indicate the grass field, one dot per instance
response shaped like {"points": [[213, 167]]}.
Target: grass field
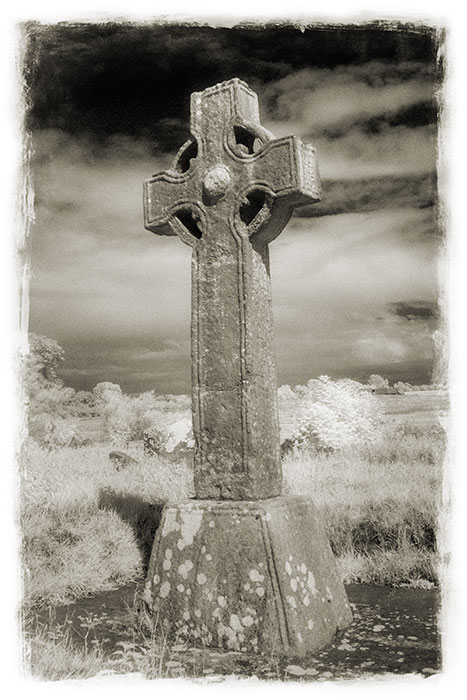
{"points": [[380, 505], [415, 407], [88, 527]]}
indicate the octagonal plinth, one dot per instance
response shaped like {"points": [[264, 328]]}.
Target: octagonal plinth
{"points": [[247, 576]]}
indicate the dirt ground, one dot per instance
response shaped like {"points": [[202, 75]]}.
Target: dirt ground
{"points": [[394, 631]]}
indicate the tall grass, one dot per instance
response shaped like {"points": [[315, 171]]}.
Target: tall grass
{"points": [[87, 527], [380, 503]]}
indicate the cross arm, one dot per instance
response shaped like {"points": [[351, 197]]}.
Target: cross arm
{"points": [[286, 172], [168, 199], [289, 168]]}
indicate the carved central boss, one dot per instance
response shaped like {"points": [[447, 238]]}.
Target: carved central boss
{"points": [[230, 192]]}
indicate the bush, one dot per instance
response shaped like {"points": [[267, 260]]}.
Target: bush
{"points": [[377, 382], [403, 386], [176, 442], [104, 393], [335, 414], [125, 417], [54, 399], [154, 441], [84, 404], [286, 393], [51, 431]]}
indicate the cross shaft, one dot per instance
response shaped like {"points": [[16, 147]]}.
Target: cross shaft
{"points": [[228, 200]]}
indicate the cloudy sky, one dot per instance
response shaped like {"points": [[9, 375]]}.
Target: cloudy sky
{"points": [[354, 278]]}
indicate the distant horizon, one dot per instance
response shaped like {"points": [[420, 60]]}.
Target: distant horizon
{"points": [[363, 377], [355, 283]]}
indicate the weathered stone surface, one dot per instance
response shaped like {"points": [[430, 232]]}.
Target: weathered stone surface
{"points": [[228, 199], [246, 576], [249, 571]]}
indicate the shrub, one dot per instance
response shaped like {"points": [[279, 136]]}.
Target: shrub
{"points": [[286, 393], [403, 386], [84, 404], [51, 431], [54, 399], [335, 414], [377, 382], [105, 392], [125, 417], [154, 441], [175, 442]]}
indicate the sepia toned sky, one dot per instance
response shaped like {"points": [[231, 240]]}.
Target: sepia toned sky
{"points": [[354, 278]]}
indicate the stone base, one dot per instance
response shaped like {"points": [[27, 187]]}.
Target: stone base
{"points": [[252, 576]]}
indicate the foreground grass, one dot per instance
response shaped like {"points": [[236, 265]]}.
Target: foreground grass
{"points": [[51, 655], [88, 528], [76, 647]]}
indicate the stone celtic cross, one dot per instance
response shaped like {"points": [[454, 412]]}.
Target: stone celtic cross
{"points": [[240, 566], [230, 193]]}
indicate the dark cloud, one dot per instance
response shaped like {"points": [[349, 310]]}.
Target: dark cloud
{"points": [[415, 310], [332, 100], [419, 114], [412, 371], [125, 78], [341, 196]]}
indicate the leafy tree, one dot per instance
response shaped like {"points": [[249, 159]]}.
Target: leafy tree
{"points": [[44, 356], [51, 404], [45, 390]]}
